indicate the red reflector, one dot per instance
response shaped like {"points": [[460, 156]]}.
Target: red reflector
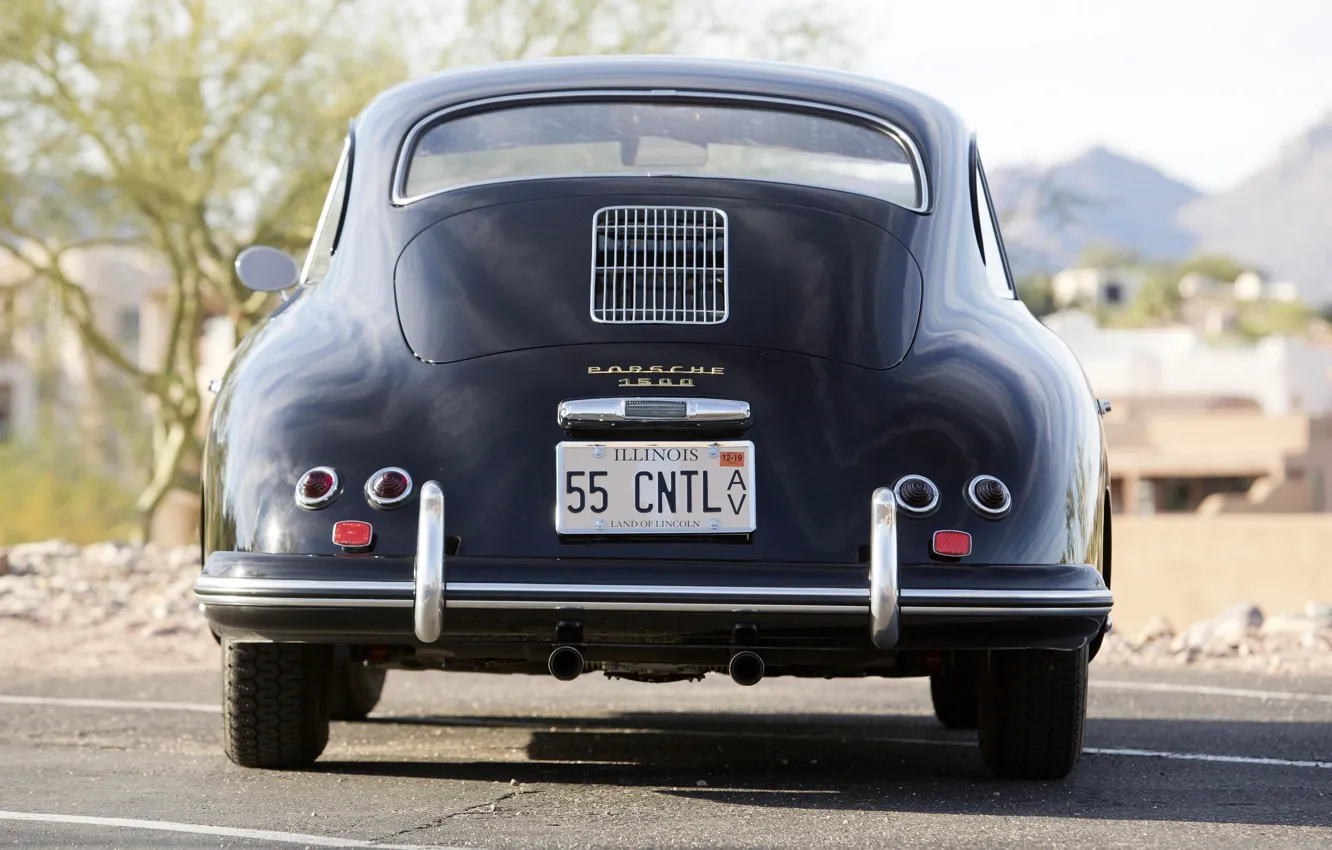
{"points": [[352, 533], [952, 544]]}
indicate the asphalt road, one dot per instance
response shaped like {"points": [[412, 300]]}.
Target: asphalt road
{"points": [[478, 761]]}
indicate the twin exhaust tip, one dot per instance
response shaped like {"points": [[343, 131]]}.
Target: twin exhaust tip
{"points": [[566, 664], [746, 668]]}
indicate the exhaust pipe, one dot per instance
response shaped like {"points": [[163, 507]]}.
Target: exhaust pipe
{"points": [[566, 663], [746, 668]]}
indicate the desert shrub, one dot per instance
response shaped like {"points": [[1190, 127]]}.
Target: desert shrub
{"points": [[45, 493]]}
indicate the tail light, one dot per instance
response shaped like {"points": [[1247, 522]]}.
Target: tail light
{"points": [[388, 487], [916, 494], [317, 487], [951, 544], [989, 496]]}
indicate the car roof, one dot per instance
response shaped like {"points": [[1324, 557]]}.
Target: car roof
{"points": [[390, 116]]}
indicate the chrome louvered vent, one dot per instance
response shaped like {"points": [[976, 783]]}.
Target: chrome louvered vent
{"points": [[638, 408], [664, 265]]}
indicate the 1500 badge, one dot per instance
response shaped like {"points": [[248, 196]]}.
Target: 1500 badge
{"points": [[642, 375]]}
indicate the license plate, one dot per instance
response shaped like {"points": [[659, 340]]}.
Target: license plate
{"points": [[654, 488]]}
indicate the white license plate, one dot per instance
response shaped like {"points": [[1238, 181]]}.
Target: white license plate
{"points": [[654, 488]]}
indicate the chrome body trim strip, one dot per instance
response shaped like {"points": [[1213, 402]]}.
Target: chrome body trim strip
{"points": [[1094, 596], [400, 197], [303, 601], [853, 594], [428, 570], [650, 605], [883, 582], [206, 586], [585, 411], [211, 589], [1003, 611]]}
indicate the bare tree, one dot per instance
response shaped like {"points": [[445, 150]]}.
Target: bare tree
{"points": [[191, 128]]}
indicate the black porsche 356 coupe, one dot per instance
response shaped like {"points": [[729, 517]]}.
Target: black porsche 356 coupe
{"points": [[658, 368]]}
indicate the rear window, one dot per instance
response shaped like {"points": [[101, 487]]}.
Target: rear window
{"points": [[658, 139]]}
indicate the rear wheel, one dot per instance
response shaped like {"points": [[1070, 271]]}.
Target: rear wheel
{"points": [[354, 689], [955, 691], [1032, 709], [275, 703]]}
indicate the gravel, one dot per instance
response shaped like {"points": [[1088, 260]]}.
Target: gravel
{"points": [[109, 605], [1241, 637], [66, 608]]}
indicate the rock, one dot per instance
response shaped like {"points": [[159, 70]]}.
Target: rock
{"points": [[1222, 633], [1321, 612], [4, 563], [1158, 629], [1290, 624]]}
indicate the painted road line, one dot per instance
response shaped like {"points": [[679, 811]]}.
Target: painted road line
{"points": [[225, 831], [146, 705], [1208, 690], [1161, 754]]}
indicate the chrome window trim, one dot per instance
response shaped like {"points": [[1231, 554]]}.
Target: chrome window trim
{"points": [[400, 198], [344, 161], [992, 513], [582, 411], [377, 502]]}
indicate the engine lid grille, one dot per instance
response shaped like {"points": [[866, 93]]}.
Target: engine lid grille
{"points": [[660, 265]]}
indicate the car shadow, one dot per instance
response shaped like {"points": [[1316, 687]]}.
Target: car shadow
{"points": [[900, 763]]}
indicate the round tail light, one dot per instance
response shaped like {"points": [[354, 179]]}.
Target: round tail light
{"points": [[388, 487], [916, 494], [989, 496], [317, 488]]}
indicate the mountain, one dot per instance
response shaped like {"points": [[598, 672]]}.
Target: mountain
{"points": [[1280, 219], [1100, 198]]}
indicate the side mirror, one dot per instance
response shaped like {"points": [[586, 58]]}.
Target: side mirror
{"points": [[266, 269]]}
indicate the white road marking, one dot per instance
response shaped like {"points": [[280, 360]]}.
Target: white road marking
{"points": [[1160, 754], [146, 705], [229, 832], [1208, 690]]}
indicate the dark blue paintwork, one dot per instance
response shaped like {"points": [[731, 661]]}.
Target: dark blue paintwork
{"points": [[880, 351]]}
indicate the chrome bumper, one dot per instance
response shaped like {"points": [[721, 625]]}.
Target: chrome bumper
{"points": [[882, 601]]}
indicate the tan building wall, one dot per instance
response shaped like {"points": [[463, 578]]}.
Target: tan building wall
{"points": [[1187, 567]]}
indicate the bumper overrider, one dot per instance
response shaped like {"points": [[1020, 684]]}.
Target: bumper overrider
{"points": [[367, 599]]}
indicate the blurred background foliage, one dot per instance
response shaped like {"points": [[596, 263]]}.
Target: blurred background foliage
{"points": [[46, 492], [190, 129]]}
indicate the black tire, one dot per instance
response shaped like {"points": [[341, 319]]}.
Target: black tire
{"points": [[354, 690], [275, 703], [955, 692], [1032, 710]]}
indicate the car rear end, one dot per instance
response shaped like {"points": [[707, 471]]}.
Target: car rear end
{"points": [[669, 395]]}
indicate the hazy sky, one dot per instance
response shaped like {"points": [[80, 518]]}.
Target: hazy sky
{"points": [[1207, 91]]}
